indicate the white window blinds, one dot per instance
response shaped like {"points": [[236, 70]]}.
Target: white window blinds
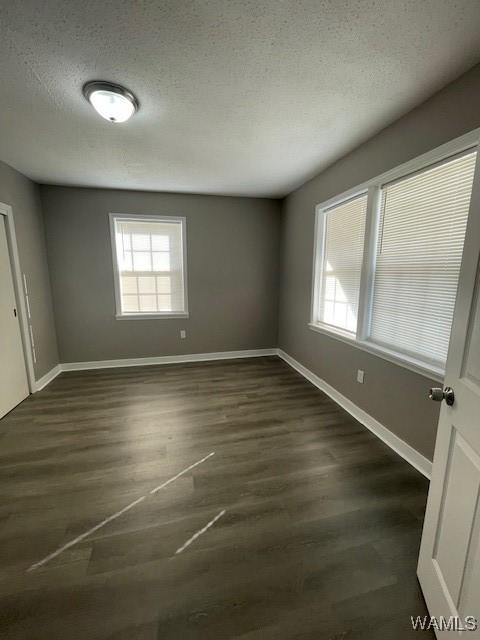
{"points": [[150, 267], [341, 267], [421, 233]]}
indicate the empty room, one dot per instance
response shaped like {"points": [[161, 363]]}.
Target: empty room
{"points": [[239, 320]]}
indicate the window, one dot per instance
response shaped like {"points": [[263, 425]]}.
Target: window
{"points": [[149, 266], [343, 237], [422, 228], [388, 261]]}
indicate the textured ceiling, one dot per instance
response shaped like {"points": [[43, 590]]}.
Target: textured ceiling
{"points": [[237, 97]]}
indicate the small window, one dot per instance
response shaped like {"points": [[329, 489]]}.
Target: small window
{"points": [[341, 266], [149, 265]]}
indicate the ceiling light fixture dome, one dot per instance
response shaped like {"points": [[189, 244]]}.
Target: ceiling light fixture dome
{"points": [[112, 101]]}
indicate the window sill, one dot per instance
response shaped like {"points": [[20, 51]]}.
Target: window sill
{"points": [[150, 316], [417, 366]]}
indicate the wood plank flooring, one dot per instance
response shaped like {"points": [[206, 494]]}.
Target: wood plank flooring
{"points": [[320, 533]]}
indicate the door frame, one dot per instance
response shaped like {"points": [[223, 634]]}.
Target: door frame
{"points": [[23, 317]]}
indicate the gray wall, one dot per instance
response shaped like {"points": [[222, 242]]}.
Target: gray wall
{"points": [[391, 394], [233, 266], [23, 196]]}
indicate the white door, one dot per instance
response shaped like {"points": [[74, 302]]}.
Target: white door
{"points": [[449, 562], [13, 374]]}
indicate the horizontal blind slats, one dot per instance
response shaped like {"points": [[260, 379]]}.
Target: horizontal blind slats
{"points": [[422, 229]]}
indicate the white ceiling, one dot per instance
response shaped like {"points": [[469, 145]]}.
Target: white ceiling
{"points": [[247, 97]]}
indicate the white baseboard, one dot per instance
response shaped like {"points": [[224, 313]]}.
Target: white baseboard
{"points": [[191, 357], [47, 378], [403, 449]]}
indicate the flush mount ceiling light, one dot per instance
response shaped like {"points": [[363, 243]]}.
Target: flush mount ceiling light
{"points": [[112, 101]]}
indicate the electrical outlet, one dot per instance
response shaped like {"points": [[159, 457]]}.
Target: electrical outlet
{"points": [[183, 334], [360, 376]]}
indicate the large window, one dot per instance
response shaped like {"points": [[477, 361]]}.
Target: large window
{"points": [[149, 265], [388, 260]]}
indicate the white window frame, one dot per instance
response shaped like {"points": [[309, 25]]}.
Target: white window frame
{"points": [[121, 315], [319, 262], [373, 187]]}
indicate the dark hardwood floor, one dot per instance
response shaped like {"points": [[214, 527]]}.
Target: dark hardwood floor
{"points": [[320, 533]]}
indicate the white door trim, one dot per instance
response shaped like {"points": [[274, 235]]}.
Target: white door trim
{"points": [[7, 211]]}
